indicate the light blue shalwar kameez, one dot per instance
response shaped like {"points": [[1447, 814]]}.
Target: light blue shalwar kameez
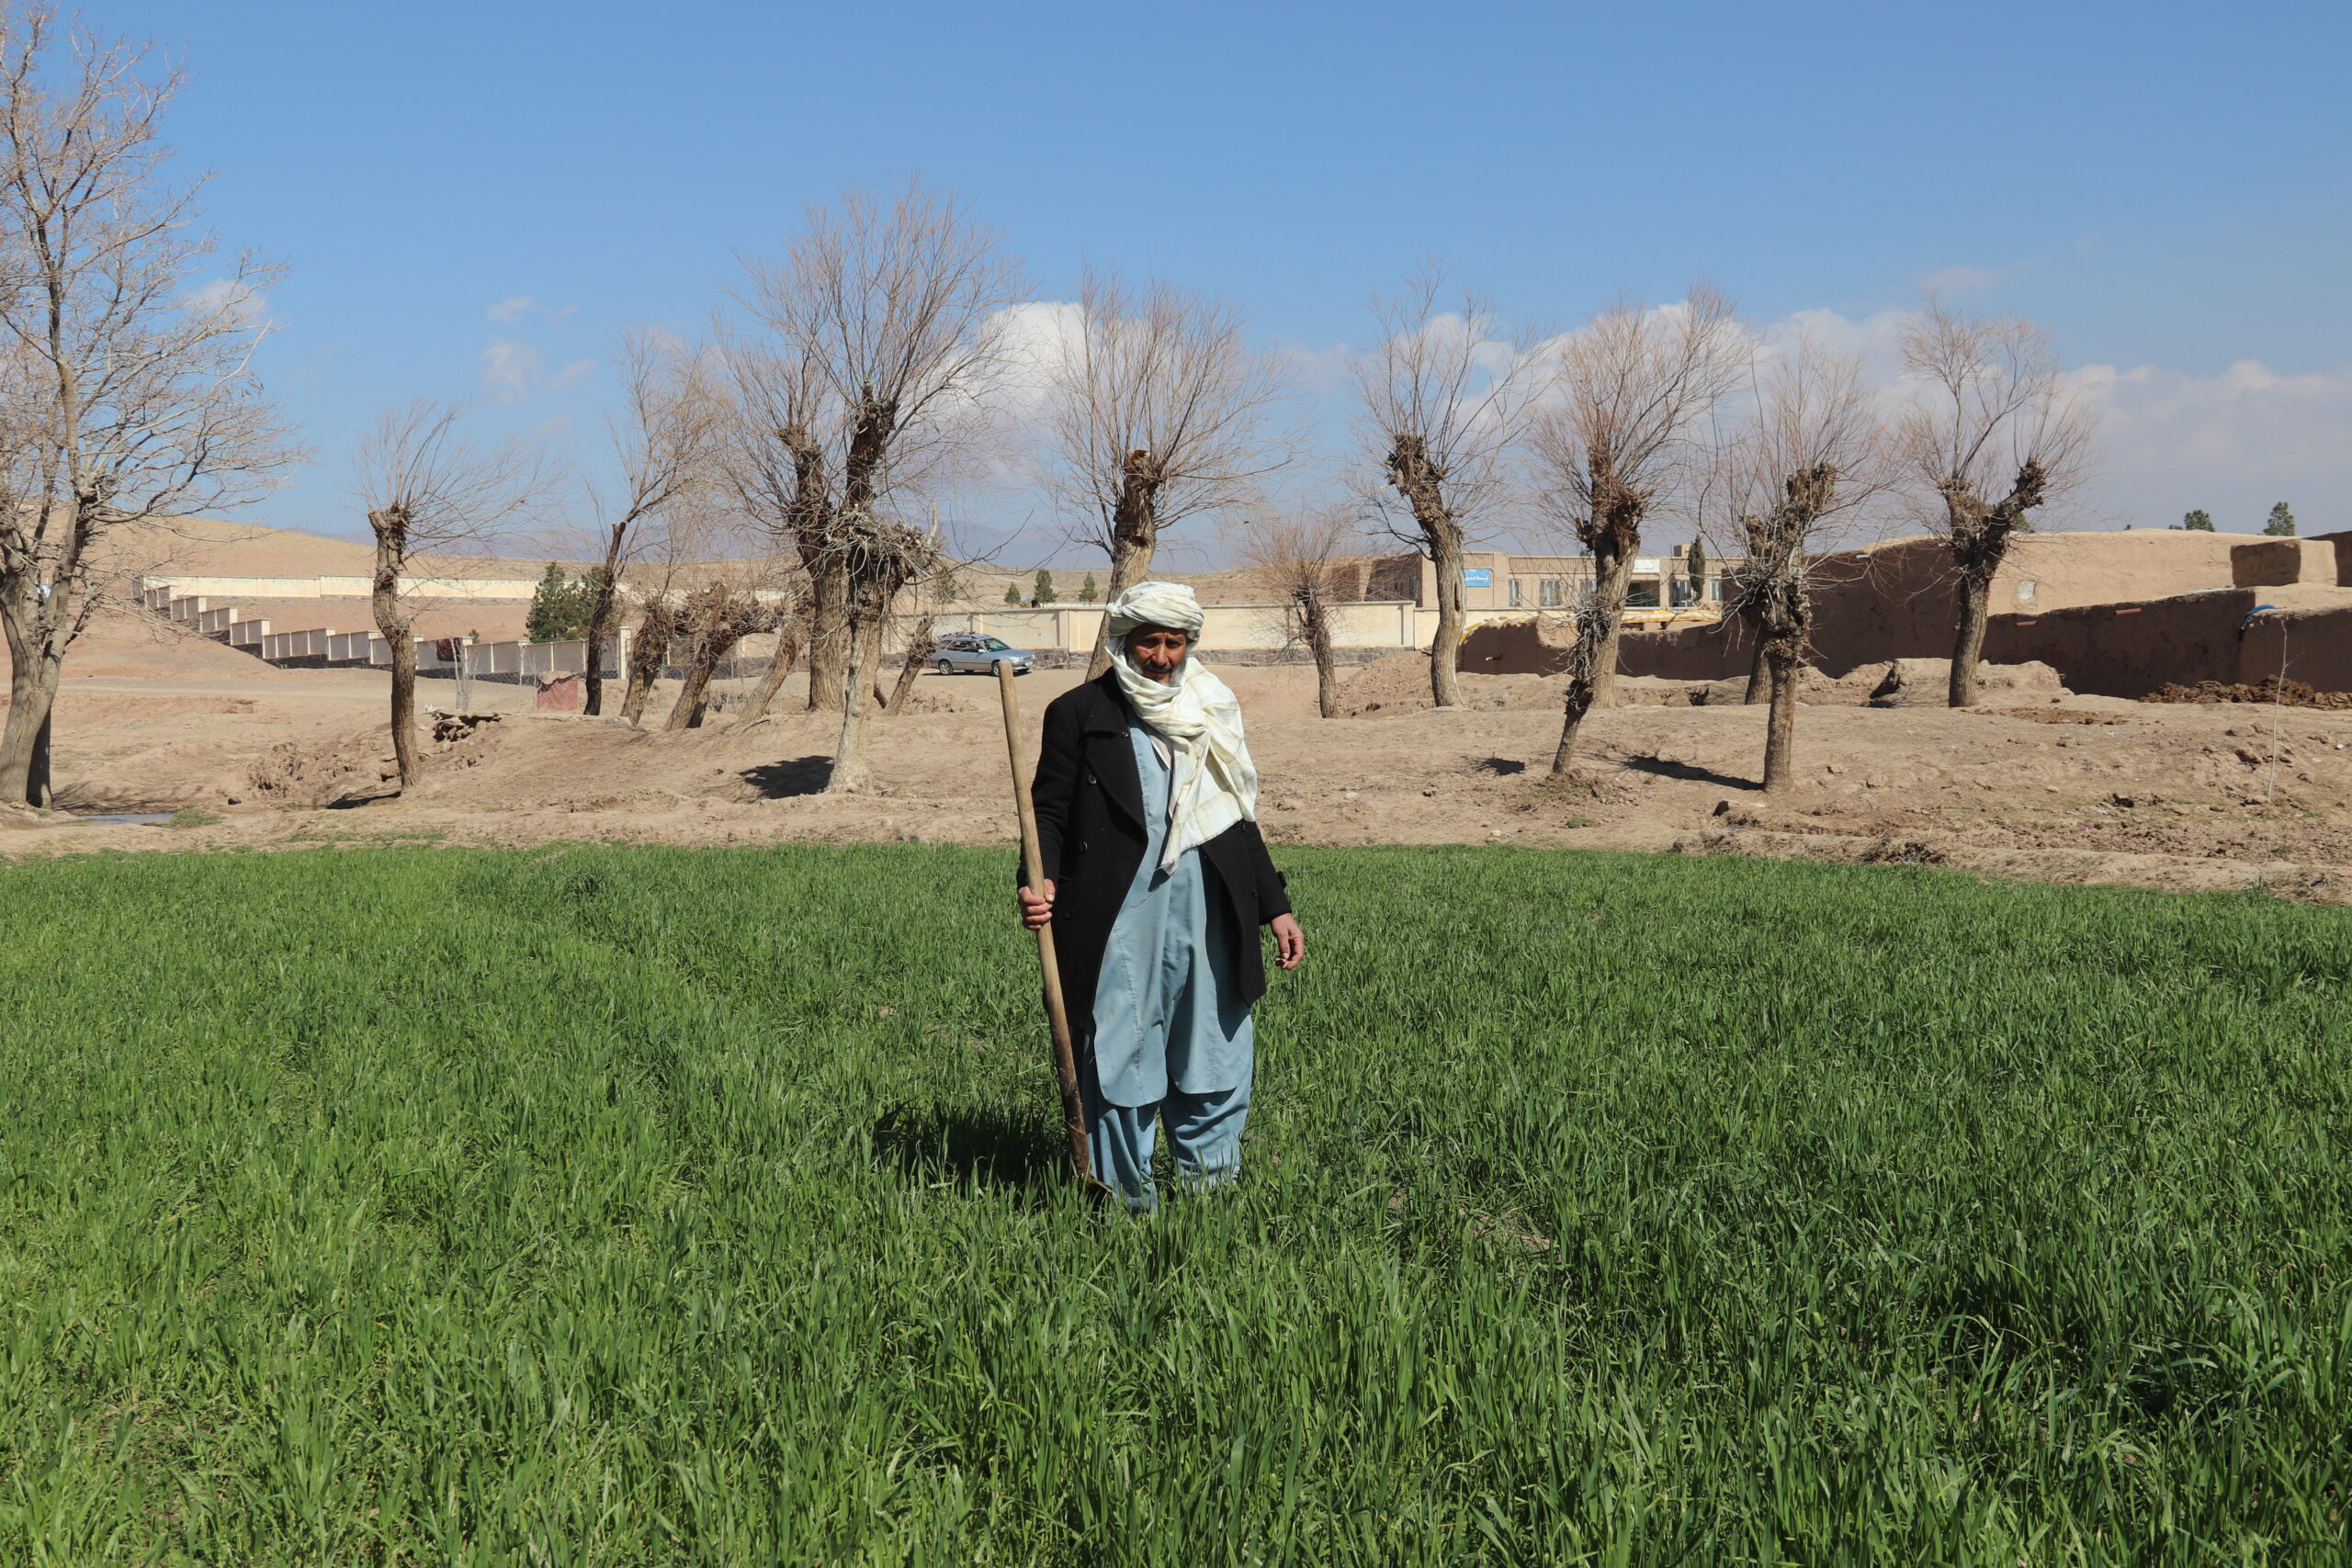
{"points": [[1169, 1040]]}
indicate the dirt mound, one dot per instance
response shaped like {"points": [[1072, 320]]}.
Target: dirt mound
{"points": [[2297, 695], [1927, 682], [122, 642]]}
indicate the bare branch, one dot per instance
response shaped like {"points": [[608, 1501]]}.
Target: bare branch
{"points": [[1443, 399], [1158, 410], [1624, 435]]}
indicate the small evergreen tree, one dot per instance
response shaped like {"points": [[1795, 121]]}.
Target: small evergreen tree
{"points": [[2282, 522], [560, 608], [1695, 567], [1012, 593], [1044, 586], [2198, 522], [1086, 590]]}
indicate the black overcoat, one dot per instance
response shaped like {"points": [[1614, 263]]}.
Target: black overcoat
{"points": [[1091, 838]]}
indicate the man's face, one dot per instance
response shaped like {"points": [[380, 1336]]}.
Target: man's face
{"points": [[1158, 650]]}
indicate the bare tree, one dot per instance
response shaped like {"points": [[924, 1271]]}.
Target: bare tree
{"points": [[1811, 457], [665, 437], [1157, 410], [126, 374], [920, 646], [881, 340], [885, 557], [658, 625], [717, 616], [429, 486], [791, 625], [1297, 557], [1622, 437], [1991, 414], [1443, 398]]}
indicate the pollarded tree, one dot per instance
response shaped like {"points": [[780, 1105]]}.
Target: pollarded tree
{"points": [[881, 340], [1624, 433], [1993, 438], [1810, 458], [1299, 559], [666, 439], [1441, 399], [1157, 410], [127, 391], [429, 486]]}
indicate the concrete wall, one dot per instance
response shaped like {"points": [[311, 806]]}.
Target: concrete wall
{"points": [[475, 588], [1072, 628]]}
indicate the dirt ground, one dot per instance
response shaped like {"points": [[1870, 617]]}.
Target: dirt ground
{"points": [[2034, 783]]}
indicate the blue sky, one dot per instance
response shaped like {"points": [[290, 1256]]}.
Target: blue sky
{"points": [[2163, 187]]}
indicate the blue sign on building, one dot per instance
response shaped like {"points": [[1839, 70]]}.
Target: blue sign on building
{"points": [[1478, 577]]}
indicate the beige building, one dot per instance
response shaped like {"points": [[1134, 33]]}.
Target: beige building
{"points": [[1497, 579]]}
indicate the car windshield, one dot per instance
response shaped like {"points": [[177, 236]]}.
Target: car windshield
{"points": [[995, 646]]}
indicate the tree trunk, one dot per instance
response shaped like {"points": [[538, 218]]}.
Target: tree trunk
{"points": [[852, 773], [1134, 538], [1130, 564], [1781, 730], [918, 646], [693, 696], [646, 655], [1612, 578], [600, 620], [1760, 677], [391, 528], [779, 670], [828, 631], [1317, 616], [1592, 663], [1445, 647], [1968, 635], [32, 695]]}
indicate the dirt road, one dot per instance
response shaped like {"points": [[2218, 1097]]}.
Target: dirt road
{"points": [[2076, 789]]}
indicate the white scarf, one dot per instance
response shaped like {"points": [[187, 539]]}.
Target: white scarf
{"points": [[1214, 783]]}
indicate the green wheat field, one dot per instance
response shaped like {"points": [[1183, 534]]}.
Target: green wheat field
{"points": [[665, 1206]]}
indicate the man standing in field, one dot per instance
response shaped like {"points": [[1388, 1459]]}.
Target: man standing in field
{"points": [[1155, 881]]}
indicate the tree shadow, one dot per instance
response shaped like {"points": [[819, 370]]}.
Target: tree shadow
{"points": [[800, 775], [1501, 767], [1687, 772], [982, 1147]]}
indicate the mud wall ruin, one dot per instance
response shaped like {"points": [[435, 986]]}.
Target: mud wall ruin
{"points": [[2118, 615]]}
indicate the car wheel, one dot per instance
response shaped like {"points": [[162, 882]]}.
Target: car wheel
{"points": [[945, 668]]}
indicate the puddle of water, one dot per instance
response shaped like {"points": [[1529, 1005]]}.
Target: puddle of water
{"points": [[125, 818]]}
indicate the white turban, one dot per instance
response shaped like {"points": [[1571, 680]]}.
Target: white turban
{"points": [[1170, 604], [1195, 714]]}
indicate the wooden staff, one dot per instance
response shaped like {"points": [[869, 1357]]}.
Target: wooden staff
{"points": [[1057, 1014]]}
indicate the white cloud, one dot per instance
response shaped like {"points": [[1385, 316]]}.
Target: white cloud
{"points": [[1964, 278], [233, 298], [572, 375], [2169, 440], [508, 370], [517, 307], [2231, 444]]}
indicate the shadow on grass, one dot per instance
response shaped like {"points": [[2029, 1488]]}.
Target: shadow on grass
{"points": [[801, 775], [983, 1147]]}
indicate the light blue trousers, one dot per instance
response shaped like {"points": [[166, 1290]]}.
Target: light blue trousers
{"points": [[1204, 1131]]}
